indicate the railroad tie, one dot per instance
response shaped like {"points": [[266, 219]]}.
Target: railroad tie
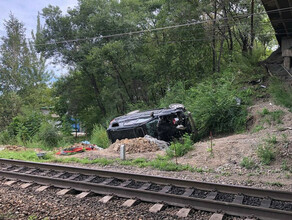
{"points": [[156, 208], [42, 188], [46, 172], [19, 169], [73, 176], [165, 189], [126, 183], [107, 181], [89, 178], [130, 202], [64, 192], [30, 171], [8, 167], [188, 192], [145, 186], [26, 185], [58, 175], [212, 195], [82, 195], [266, 202], [105, 199], [183, 212], [10, 182], [216, 216], [238, 199]]}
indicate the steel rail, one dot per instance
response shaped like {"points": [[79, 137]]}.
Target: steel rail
{"points": [[257, 192], [150, 196]]}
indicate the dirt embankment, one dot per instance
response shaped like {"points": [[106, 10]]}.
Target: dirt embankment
{"points": [[232, 149], [270, 123], [266, 122]]}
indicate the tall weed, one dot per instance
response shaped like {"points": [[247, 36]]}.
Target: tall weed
{"points": [[48, 134], [99, 136], [215, 106], [281, 94], [5, 138], [266, 153], [181, 147]]}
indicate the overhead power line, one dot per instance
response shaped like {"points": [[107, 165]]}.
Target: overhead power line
{"points": [[159, 28]]}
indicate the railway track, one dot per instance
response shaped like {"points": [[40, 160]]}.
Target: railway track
{"points": [[229, 199]]}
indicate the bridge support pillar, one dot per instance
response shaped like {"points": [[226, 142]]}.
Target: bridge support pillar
{"points": [[286, 48]]}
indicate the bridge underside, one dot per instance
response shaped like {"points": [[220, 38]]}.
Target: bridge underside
{"points": [[280, 14]]}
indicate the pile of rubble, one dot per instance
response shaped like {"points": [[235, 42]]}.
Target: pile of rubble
{"points": [[139, 145], [12, 147]]}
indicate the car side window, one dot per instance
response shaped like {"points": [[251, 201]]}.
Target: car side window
{"points": [[151, 127]]}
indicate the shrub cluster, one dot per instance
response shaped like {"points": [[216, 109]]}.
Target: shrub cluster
{"points": [[25, 126], [281, 94], [32, 129], [216, 103], [266, 153], [180, 147], [99, 136], [248, 163], [218, 106]]}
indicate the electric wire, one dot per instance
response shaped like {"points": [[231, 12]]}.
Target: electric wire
{"points": [[156, 29]]}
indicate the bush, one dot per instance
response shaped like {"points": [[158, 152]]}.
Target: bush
{"points": [[66, 140], [48, 134], [248, 163], [285, 166], [215, 106], [266, 153], [177, 94], [257, 128], [99, 136], [265, 112], [275, 116], [181, 147], [281, 94], [25, 126], [271, 139], [5, 138], [66, 125]]}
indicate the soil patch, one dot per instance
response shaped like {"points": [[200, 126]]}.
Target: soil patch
{"points": [[229, 151]]}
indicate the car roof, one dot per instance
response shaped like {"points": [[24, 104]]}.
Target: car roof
{"points": [[148, 114]]}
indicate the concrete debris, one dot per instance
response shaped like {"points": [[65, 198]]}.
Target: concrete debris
{"points": [[161, 144]]}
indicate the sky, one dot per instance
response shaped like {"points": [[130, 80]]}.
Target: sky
{"points": [[26, 11]]}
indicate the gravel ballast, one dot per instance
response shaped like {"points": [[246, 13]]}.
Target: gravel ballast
{"points": [[17, 203]]}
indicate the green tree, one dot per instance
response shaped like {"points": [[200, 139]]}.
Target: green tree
{"points": [[115, 69], [10, 104], [21, 66], [23, 74]]}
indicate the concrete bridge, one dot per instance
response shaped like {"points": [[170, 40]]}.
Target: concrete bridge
{"points": [[280, 14]]}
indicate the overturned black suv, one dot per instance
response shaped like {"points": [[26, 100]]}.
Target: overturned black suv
{"points": [[163, 124]]}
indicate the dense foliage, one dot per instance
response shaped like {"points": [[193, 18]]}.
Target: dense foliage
{"points": [[133, 54], [114, 71]]}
